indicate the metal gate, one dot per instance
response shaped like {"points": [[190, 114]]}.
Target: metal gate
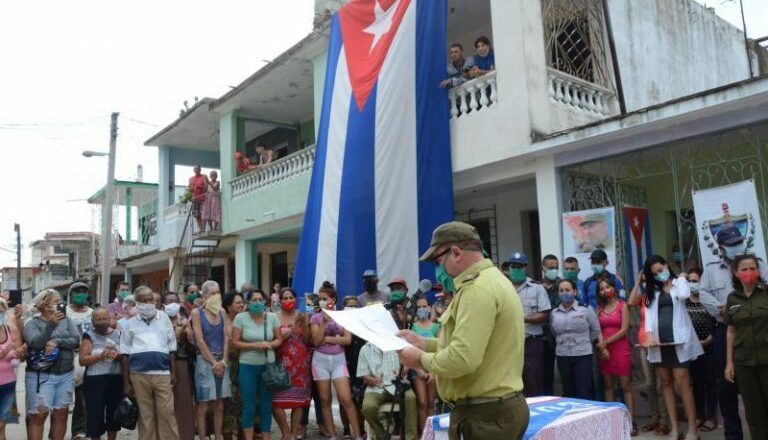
{"points": [[671, 171]]}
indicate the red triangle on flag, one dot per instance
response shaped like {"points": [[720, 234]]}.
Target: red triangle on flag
{"points": [[367, 30], [635, 217]]}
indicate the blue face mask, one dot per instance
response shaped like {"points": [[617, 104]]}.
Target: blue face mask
{"points": [[422, 314], [597, 269], [566, 298], [662, 277]]}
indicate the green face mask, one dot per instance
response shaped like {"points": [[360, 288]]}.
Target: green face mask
{"points": [[571, 275], [443, 278], [80, 298], [192, 297], [122, 294], [398, 296], [257, 307], [517, 275]]}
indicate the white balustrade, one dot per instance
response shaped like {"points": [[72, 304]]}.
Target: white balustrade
{"points": [[288, 167], [473, 96], [579, 94], [173, 211]]}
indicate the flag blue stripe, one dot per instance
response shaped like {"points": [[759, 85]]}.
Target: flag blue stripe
{"points": [[306, 258], [356, 248], [435, 180]]}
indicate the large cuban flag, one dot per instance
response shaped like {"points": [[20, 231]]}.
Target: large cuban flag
{"points": [[381, 181], [637, 230]]}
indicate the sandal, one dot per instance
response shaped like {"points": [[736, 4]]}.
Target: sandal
{"points": [[708, 426], [649, 427], [634, 431], [662, 430]]}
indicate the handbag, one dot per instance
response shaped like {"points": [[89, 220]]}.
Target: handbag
{"points": [[127, 414], [275, 377]]}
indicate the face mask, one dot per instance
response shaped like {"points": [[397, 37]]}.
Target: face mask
{"points": [[213, 304], [101, 328], [192, 297], [694, 288], [566, 297], [597, 269], [145, 310], [443, 278], [257, 307], [398, 296], [371, 286], [732, 251], [350, 307], [609, 294], [132, 312], [422, 314], [288, 305], [662, 277], [323, 304], [80, 299], [172, 309], [53, 308], [122, 294], [551, 274], [517, 275], [748, 277], [571, 275]]}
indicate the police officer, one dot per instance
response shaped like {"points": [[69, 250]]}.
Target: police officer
{"points": [[550, 280], [747, 318], [478, 358], [536, 307], [716, 285]]}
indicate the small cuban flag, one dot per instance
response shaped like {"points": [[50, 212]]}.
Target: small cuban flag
{"points": [[637, 230], [382, 178]]}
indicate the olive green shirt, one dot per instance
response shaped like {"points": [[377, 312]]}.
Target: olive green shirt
{"points": [[480, 349], [750, 318]]}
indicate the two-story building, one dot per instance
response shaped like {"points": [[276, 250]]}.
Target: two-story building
{"points": [[591, 104]]}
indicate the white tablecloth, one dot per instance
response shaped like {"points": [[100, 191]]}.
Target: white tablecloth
{"points": [[574, 420]]}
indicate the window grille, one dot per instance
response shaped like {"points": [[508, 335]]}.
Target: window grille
{"points": [[573, 31]]}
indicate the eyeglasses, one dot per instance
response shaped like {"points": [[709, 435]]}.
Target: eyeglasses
{"points": [[437, 257]]}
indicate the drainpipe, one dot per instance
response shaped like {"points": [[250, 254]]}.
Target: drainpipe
{"points": [[614, 60]]}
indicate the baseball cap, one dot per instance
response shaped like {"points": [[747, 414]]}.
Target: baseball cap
{"points": [[592, 218], [599, 255], [369, 273], [398, 281], [729, 236], [519, 258], [451, 232]]}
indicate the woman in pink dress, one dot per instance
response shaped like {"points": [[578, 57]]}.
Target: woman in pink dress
{"points": [[613, 315], [212, 206]]}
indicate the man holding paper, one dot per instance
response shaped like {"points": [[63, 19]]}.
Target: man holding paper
{"points": [[478, 358]]}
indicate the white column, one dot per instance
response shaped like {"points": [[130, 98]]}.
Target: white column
{"points": [[245, 264], [549, 201]]}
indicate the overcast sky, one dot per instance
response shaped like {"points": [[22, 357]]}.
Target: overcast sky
{"points": [[67, 65]]}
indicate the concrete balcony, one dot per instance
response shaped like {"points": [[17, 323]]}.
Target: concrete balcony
{"points": [[272, 193], [575, 102], [175, 219], [477, 95]]}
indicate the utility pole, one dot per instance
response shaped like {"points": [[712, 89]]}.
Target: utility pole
{"points": [[17, 228], [106, 216]]}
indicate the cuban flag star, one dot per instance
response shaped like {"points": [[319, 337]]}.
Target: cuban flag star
{"points": [[381, 180]]}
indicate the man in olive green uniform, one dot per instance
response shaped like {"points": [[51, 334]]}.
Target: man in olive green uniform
{"points": [[478, 358]]}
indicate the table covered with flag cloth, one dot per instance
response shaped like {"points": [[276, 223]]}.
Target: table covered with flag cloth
{"points": [[558, 418]]}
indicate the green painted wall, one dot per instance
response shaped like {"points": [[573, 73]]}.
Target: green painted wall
{"points": [[285, 199]]}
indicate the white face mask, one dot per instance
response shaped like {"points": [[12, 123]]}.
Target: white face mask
{"points": [[172, 309], [145, 310], [323, 304]]}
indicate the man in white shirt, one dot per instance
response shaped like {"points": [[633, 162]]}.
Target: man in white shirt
{"points": [[147, 343]]}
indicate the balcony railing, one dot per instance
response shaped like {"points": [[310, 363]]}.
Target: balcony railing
{"points": [[473, 96], [579, 94], [174, 211], [288, 167]]}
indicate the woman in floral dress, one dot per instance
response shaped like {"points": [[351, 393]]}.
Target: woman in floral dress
{"points": [[294, 355]]}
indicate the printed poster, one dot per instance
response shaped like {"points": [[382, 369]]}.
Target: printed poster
{"points": [[587, 231], [728, 206]]}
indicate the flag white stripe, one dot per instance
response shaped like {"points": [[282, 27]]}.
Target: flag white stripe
{"points": [[334, 164], [397, 239]]}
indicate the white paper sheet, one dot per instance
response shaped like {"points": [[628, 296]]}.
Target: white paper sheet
{"points": [[373, 323]]}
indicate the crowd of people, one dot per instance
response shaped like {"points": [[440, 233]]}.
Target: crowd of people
{"points": [[204, 363]]}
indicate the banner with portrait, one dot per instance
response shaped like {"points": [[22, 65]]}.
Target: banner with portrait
{"points": [[587, 231], [730, 206]]}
